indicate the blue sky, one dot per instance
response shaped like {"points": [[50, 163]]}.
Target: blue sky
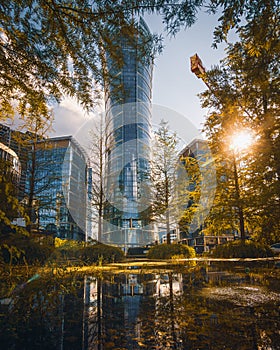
{"points": [[174, 86]]}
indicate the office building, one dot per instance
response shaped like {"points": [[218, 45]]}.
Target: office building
{"points": [[55, 172], [10, 164], [16, 141], [128, 116], [61, 187]]}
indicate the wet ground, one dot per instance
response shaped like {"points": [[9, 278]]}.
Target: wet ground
{"points": [[198, 304]]}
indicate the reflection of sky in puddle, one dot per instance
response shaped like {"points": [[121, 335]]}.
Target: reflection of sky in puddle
{"points": [[241, 295]]}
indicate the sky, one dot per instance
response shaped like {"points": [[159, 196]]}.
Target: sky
{"points": [[174, 86]]}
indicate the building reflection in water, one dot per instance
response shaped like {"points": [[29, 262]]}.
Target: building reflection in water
{"points": [[164, 310], [113, 308]]}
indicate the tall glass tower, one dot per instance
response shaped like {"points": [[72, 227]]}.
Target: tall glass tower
{"points": [[127, 218]]}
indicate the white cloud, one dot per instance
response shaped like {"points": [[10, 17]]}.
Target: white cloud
{"points": [[69, 116]]}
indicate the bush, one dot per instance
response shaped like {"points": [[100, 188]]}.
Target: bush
{"points": [[169, 251], [101, 253], [37, 253], [87, 253], [68, 249], [17, 249], [240, 249], [68, 243]]}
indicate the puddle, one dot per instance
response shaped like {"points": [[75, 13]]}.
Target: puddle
{"points": [[242, 295]]}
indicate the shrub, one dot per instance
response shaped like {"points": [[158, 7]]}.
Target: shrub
{"points": [[88, 254], [167, 251], [69, 249], [68, 243], [101, 253], [37, 253], [240, 249], [17, 249]]}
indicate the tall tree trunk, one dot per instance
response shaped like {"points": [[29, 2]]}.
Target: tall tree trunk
{"points": [[238, 200], [31, 181], [167, 216]]}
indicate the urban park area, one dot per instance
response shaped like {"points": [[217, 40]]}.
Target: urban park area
{"points": [[139, 175]]}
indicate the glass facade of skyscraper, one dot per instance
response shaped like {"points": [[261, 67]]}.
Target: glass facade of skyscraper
{"points": [[10, 164], [54, 172], [11, 138], [61, 187], [128, 116]]}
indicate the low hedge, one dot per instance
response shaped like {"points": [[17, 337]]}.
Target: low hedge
{"points": [[16, 249], [89, 254], [101, 253], [68, 249], [169, 251], [22, 249], [242, 249]]}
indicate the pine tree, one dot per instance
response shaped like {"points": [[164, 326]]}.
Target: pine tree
{"points": [[52, 48], [245, 94], [164, 169]]}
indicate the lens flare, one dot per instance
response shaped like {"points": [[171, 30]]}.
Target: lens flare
{"points": [[241, 140]]}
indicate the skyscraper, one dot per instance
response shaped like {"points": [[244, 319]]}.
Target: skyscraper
{"points": [[128, 116], [10, 164], [10, 138], [61, 187], [55, 171]]}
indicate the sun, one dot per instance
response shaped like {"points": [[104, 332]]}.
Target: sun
{"points": [[241, 140]]}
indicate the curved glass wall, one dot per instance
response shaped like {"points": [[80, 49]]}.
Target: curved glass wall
{"points": [[127, 219], [11, 164]]}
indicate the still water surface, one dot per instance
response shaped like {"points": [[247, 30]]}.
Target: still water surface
{"points": [[234, 306]]}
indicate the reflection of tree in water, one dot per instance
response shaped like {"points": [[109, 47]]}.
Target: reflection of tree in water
{"points": [[223, 326], [192, 309], [195, 321], [156, 317], [43, 315]]}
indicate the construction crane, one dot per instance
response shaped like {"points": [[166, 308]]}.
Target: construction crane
{"points": [[198, 69]]}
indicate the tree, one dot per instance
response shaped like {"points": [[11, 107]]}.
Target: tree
{"points": [[34, 177], [244, 93], [164, 169], [190, 193], [10, 205], [33, 140], [53, 48], [227, 213], [50, 48], [196, 187], [99, 143]]}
